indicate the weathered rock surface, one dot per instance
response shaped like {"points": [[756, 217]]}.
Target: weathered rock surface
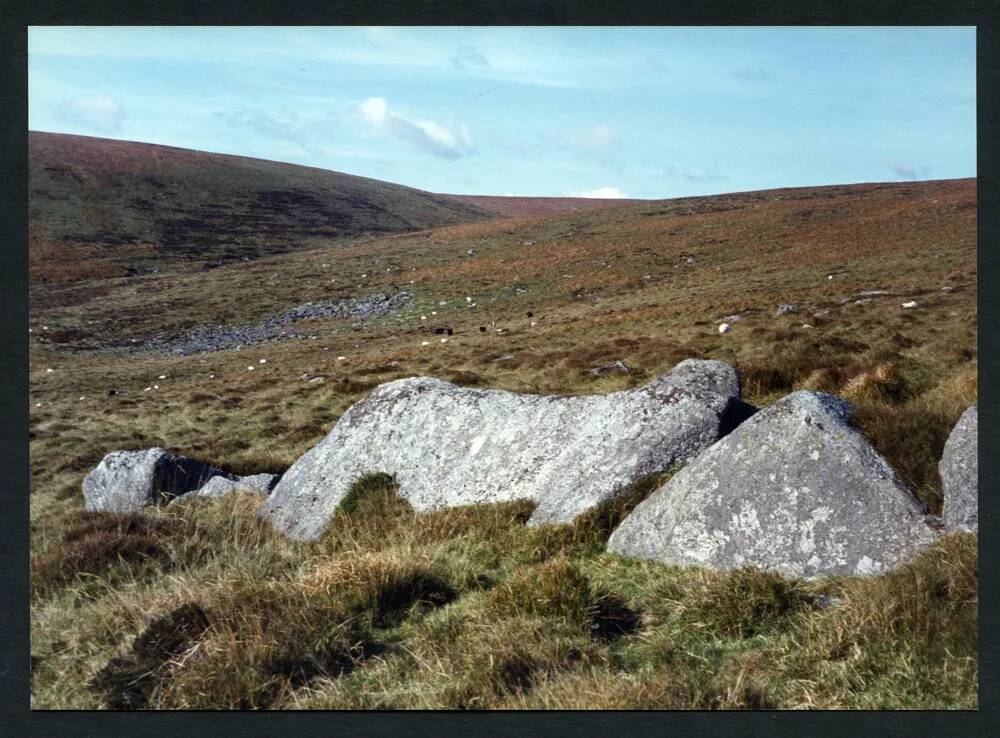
{"points": [[795, 489], [959, 468], [260, 484], [449, 446], [127, 481]]}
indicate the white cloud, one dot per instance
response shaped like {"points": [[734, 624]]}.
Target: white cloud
{"points": [[374, 110], [446, 142], [604, 193], [98, 112]]}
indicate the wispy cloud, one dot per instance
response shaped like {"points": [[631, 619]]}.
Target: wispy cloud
{"points": [[905, 170], [603, 193], [599, 139], [693, 174], [467, 57], [445, 142], [599, 142], [100, 113], [266, 125]]}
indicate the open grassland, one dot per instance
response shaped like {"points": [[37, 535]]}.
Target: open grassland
{"points": [[468, 608]]}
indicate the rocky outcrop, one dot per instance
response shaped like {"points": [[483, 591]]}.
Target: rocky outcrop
{"points": [[959, 468], [274, 328], [127, 481], [795, 489], [449, 446]]}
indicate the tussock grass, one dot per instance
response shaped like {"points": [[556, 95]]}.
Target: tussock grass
{"points": [[468, 607], [101, 545]]}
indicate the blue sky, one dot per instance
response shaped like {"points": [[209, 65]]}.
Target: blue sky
{"points": [[640, 112]]}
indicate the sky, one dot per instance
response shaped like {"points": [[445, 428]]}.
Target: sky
{"points": [[646, 112]]}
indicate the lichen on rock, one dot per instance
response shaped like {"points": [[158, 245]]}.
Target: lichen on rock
{"points": [[795, 489], [449, 446]]}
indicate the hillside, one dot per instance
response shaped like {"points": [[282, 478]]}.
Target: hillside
{"points": [[533, 207], [469, 607], [104, 208], [107, 208]]}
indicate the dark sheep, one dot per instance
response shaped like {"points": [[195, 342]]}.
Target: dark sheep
{"points": [[482, 329]]}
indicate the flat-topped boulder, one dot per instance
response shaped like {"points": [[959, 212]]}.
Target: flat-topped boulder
{"points": [[127, 481], [449, 446], [795, 489], [959, 469]]}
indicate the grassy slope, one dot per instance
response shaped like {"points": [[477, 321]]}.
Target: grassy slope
{"points": [[643, 283], [99, 206]]}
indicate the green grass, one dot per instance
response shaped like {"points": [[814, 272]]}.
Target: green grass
{"points": [[468, 607]]}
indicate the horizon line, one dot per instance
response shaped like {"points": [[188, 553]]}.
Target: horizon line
{"points": [[510, 197]]}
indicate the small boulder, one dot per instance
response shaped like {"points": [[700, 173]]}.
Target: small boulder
{"points": [[616, 366], [795, 489], [959, 469], [449, 446], [127, 481], [217, 486], [263, 483], [734, 318], [725, 328], [786, 309]]}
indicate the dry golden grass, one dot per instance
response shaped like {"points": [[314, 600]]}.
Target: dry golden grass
{"points": [[275, 609], [467, 608]]}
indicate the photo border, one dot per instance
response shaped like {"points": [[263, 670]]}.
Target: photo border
{"points": [[14, 645]]}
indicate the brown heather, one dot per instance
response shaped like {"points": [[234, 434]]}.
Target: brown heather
{"points": [[468, 608]]}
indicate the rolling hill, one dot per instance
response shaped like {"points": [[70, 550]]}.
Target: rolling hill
{"points": [[812, 282], [103, 208]]}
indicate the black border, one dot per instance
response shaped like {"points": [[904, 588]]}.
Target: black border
{"points": [[16, 15]]}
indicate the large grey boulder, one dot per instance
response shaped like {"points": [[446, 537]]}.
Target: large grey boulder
{"points": [[449, 446], [959, 468], [127, 481], [218, 486], [795, 489]]}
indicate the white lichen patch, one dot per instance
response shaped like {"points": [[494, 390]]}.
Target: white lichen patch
{"points": [[767, 508]]}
